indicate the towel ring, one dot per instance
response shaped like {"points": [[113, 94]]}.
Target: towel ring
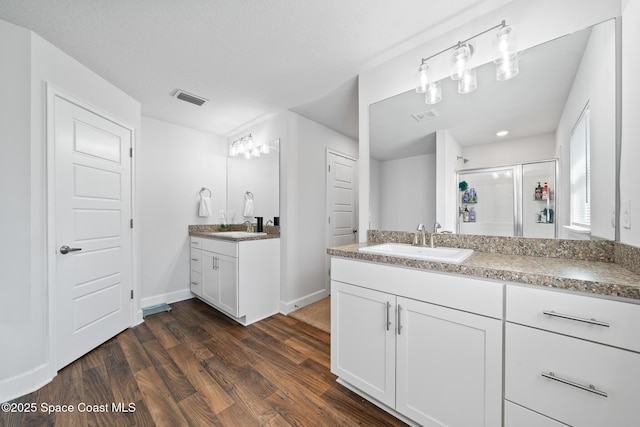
{"points": [[203, 189], [248, 195]]}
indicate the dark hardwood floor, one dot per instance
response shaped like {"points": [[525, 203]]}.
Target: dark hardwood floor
{"points": [[193, 366]]}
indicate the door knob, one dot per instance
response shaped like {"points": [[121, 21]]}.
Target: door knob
{"points": [[66, 249]]}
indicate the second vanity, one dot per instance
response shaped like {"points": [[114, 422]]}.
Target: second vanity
{"points": [[237, 274], [491, 341]]}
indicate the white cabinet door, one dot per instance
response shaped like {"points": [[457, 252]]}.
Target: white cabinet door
{"points": [[227, 268], [363, 340], [210, 278], [449, 366]]}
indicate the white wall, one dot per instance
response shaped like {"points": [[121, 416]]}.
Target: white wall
{"points": [[28, 63], [597, 65], [21, 331], [174, 163], [629, 171], [509, 152], [536, 22], [304, 273], [447, 152], [408, 187]]}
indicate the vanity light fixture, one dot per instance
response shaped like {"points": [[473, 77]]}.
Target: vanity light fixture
{"points": [[506, 60], [245, 146]]}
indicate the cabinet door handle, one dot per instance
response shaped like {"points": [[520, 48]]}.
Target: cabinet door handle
{"points": [[577, 319], [194, 259], [195, 283], [590, 388], [399, 317], [388, 316], [217, 263]]}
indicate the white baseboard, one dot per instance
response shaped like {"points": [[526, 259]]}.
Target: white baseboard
{"points": [[168, 298], [25, 383], [287, 307]]}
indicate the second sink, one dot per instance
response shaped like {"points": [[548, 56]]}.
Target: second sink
{"points": [[453, 255]]}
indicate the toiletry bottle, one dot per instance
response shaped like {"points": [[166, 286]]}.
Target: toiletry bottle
{"points": [[465, 197], [545, 192], [472, 195], [465, 215], [538, 192], [472, 215]]}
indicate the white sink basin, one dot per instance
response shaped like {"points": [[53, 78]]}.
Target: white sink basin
{"points": [[454, 255], [237, 234]]}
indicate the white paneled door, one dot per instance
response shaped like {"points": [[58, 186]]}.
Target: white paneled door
{"points": [[93, 237], [341, 202], [341, 199]]}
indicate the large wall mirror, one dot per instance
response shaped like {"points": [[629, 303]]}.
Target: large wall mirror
{"points": [[255, 178], [541, 108]]}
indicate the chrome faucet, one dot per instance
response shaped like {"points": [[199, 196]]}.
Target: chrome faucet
{"points": [[422, 229], [249, 226], [269, 222], [436, 226]]}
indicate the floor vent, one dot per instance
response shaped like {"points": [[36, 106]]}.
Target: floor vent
{"points": [[154, 309], [429, 114], [188, 97]]}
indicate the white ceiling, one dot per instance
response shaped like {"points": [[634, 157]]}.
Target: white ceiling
{"points": [[251, 58], [527, 105]]}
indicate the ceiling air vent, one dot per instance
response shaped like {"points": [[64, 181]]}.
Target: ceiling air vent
{"points": [[429, 114], [188, 97]]}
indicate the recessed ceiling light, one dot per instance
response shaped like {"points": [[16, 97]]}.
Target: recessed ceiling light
{"points": [[502, 133]]}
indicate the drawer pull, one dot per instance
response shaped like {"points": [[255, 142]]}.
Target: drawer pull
{"points": [[590, 388], [577, 319], [194, 259], [195, 283]]}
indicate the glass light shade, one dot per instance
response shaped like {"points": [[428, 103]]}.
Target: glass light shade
{"points": [[468, 82], [433, 95], [255, 152], [249, 143], [264, 149], [423, 77], [504, 44], [506, 70], [460, 61], [247, 154], [241, 147], [233, 151]]}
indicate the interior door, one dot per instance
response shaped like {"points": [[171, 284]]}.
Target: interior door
{"points": [[341, 202], [93, 263]]}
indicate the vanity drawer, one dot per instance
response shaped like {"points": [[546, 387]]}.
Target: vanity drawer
{"points": [[573, 381], [196, 261], [220, 247], [517, 416], [196, 279], [196, 242], [596, 319]]}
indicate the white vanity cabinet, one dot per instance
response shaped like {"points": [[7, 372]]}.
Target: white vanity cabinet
{"points": [[241, 278], [401, 338], [570, 359]]}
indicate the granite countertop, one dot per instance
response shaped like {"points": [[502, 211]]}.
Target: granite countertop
{"points": [[220, 235], [208, 230], [594, 277]]}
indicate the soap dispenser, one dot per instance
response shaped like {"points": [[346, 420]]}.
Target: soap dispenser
{"points": [[465, 214]]}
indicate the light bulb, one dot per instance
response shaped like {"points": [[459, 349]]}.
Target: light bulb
{"points": [[507, 69], [460, 61], [264, 149], [468, 82], [433, 94], [233, 151], [422, 79]]}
